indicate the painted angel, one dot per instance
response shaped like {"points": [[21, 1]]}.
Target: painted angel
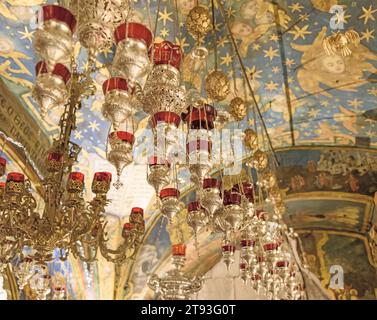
{"points": [[333, 71], [18, 10], [12, 68]]}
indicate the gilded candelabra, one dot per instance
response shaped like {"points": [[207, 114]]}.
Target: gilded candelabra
{"points": [[65, 221]]}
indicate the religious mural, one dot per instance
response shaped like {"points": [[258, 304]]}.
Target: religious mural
{"points": [[306, 170], [324, 250], [330, 214]]}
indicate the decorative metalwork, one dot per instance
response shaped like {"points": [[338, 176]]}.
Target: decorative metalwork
{"points": [[97, 20], [341, 43], [175, 285]]}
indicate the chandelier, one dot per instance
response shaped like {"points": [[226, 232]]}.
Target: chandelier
{"points": [[67, 222]]}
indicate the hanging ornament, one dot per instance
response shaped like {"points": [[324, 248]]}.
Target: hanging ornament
{"points": [[162, 91], [238, 108], [200, 117], [165, 132], [198, 22], [210, 197], [58, 292], [259, 160], [199, 159], [170, 204], [230, 216], [251, 139], [197, 217], [131, 60], [120, 153], [228, 249], [53, 39], [159, 174], [246, 189], [51, 88], [96, 22], [268, 180], [119, 103], [217, 85], [175, 285]]}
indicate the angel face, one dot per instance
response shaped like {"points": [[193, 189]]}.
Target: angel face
{"points": [[333, 64], [249, 9], [185, 6], [240, 29], [23, 14], [267, 18]]}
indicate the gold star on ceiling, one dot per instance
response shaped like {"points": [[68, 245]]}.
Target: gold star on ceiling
{"points": [[93, 125], [227, 60], [368, 14], [295, 7], [217, 27], [373, 91], [271, 53], [300, 32], [26, 34], [250, 122], [271, 86], [222, 41], [77, 134], [256, 46], [325, 103], [275, 69], [313, 113], [304, 17], [289, 62], [230, 12], [274, 37], [341, 17], [165, 16], [356, 103], [253, 73], [181, 42], [164, 32], [367, 35]]}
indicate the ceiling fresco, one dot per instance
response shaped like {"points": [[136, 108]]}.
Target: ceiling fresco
{"points": [[306, 99], [326, 95]]}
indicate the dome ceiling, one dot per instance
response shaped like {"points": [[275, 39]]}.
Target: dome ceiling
{"points": [[298, 87]]}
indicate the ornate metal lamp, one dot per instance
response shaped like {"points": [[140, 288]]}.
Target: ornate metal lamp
{"points": [[176, 285]]}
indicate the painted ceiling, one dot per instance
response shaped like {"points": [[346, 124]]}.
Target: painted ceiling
{"points": [[281, 48], [327, 95]]}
